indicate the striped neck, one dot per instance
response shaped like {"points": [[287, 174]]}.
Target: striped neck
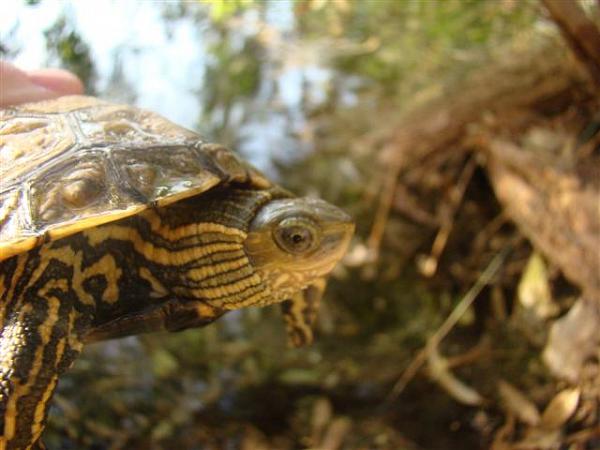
{"points": [[202, 255]]}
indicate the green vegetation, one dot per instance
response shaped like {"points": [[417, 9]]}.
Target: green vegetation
{"points": [[67, 49]]}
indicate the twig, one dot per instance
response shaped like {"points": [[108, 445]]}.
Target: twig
{"points": [[449, 323], [488, 230], [429, 267], [439, 371], [383, 210], [473, 354], [584, 435], [405, 204]]}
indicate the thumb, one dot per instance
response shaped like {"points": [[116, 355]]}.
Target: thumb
{"points": [[18, 86]]}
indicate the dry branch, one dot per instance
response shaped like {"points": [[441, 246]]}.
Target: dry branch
{"points": [[557, 211], [553, 206], [579, 32], [505, 94]]}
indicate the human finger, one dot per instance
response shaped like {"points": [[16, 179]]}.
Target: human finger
{"points": [[18, 86]]}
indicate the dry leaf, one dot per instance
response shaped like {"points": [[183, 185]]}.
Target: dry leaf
{"points": [[534, 289], [321, 415], [560, 409], [336, 433], [573, 339]]}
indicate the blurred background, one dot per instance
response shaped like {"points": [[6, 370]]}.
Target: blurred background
{"points": [[464, 138]]}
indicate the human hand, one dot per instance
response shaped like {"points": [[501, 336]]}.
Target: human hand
{"points": [[19, 86]]}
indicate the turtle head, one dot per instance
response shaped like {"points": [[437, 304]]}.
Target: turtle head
{"points": [[293, 242]]}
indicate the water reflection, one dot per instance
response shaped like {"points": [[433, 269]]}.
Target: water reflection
{"points": [[230, 81]]}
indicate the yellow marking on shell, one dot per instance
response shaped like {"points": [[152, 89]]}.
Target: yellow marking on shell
{"points": [[20, 245], [16, 246], [69, 228], [158, 290], [210, 181]]}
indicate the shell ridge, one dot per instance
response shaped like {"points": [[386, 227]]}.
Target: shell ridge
{"points": [[92, 162], [74, 119]]}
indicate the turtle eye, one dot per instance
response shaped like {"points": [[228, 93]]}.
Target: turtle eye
{"points": [[296, 236]]}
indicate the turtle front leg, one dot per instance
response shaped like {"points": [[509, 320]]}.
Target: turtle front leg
{"points": [[300, 313], [37, 344], [172, 315]]}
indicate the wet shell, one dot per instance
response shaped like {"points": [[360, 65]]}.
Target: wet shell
{"points": [[77, 162]]}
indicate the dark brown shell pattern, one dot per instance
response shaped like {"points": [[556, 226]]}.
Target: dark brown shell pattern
{"points": [[78, 162]]}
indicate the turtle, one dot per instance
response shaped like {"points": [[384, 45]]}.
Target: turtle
{"points": [[115, 221]]}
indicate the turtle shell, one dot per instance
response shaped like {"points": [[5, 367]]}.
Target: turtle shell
{"points": [[77, 162]]}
